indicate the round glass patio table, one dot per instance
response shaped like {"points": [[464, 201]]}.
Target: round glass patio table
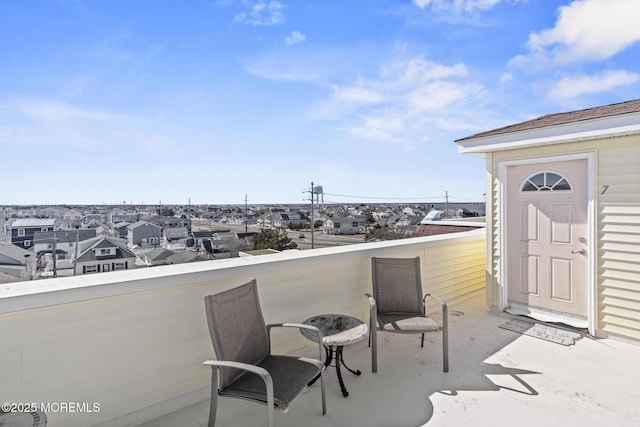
{"points": [[338, 330]]}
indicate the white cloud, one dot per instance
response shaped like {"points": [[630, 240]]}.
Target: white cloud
{"points": [[30, 121], [262, 13], [356, 95], [466, 6], [506, 78], [585, 30], [53, 112], [573, 86], [402, 102], [294, 38]]}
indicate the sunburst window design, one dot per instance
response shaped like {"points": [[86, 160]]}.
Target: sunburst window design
{"points": [[546, 181]]}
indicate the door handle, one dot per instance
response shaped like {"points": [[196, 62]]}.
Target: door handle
{"points": [[581, 252]]}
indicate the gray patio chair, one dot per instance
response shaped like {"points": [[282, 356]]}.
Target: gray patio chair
{"points": [[245, 367], [397, 304]]}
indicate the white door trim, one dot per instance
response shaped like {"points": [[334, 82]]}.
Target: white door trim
{"points": [[502, 246]]}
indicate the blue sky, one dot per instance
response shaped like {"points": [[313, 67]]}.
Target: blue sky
{"points": [[214, 101]]}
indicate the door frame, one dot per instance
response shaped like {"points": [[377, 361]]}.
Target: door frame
{"points": [[591, 234]]}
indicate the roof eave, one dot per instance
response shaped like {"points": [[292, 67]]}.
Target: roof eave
{"points": [[608, 127]]}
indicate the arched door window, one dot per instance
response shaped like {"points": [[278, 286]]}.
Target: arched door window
{"points": [[546, 181]]}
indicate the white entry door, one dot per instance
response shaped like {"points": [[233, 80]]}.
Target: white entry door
{"points": [[546, 237]]}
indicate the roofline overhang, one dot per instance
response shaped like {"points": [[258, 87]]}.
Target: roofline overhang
{"points": [[601, 128]]}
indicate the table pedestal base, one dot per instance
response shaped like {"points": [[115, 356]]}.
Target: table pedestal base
{"points": [[330, 351]]}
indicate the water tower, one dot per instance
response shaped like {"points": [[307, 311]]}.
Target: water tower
{"points": [[318, 193]]}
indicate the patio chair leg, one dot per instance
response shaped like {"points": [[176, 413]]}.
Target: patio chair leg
{"points": [[422, 341], [374, 351], [445, 337], [213, 403], [324, 399]]}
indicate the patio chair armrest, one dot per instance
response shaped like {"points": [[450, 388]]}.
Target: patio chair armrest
{"points": [[372, 300], [239, 365], [373, 312], [443, 306], [437, 298], [318, 363], [261, 372], [299, 326]]}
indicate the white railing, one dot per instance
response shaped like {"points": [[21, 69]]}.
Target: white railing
{"points": [[133, 342]]}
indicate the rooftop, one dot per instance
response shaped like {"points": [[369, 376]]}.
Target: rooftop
{"points": [[547, 120], [497, 378], [134, 342]]}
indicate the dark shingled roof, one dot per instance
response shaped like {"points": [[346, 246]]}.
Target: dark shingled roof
{"points": [[618, 109]]}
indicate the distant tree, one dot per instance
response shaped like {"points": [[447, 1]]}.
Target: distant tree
{"points": [[165, 212], [273, 238], [384, 232]]}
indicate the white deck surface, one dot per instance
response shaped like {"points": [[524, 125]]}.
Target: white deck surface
{"points": [[497, 378]]}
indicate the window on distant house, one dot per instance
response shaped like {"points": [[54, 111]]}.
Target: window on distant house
{"points": [[119, 266], [20, 232], [106, 267], [336, 225], [354, 224], [26, 243], [44, 229], [90, 268]]}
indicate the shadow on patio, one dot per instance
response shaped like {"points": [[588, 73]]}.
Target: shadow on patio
{"points": [[498, 377]]}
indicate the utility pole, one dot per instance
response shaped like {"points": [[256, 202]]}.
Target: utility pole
{"points": [[312, 221], [75, 256], [446, 204], [246, 227], [313, 192], [55, 270]]}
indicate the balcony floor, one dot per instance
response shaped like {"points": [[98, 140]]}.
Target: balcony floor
{"points": [[497, 378]]}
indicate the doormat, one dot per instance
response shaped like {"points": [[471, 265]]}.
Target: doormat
{"points": [[545, 332]]}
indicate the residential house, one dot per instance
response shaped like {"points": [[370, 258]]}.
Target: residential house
{"points": [[104, 254], [121, 229], [93, 218], [563, 217], [200, 236], [220, 241], [156, 257], [49, 212], [286, 219], [73, 218], [343, 225], [64, 242], [130, 217], [16, 262], [143, 234], [171, 234], [171, 222], [21, 230]]}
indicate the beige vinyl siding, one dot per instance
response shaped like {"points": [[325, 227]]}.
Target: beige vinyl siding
{"points": [[493, 293], [619, 239], [617, 228]]}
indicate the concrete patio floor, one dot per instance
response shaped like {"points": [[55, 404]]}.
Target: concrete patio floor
{"points": [[497, 378]]}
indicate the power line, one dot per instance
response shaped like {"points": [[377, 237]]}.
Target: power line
{"points": [[385, 198]]}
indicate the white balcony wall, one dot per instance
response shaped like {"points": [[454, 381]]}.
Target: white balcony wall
{"points": [[134, 341]]}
